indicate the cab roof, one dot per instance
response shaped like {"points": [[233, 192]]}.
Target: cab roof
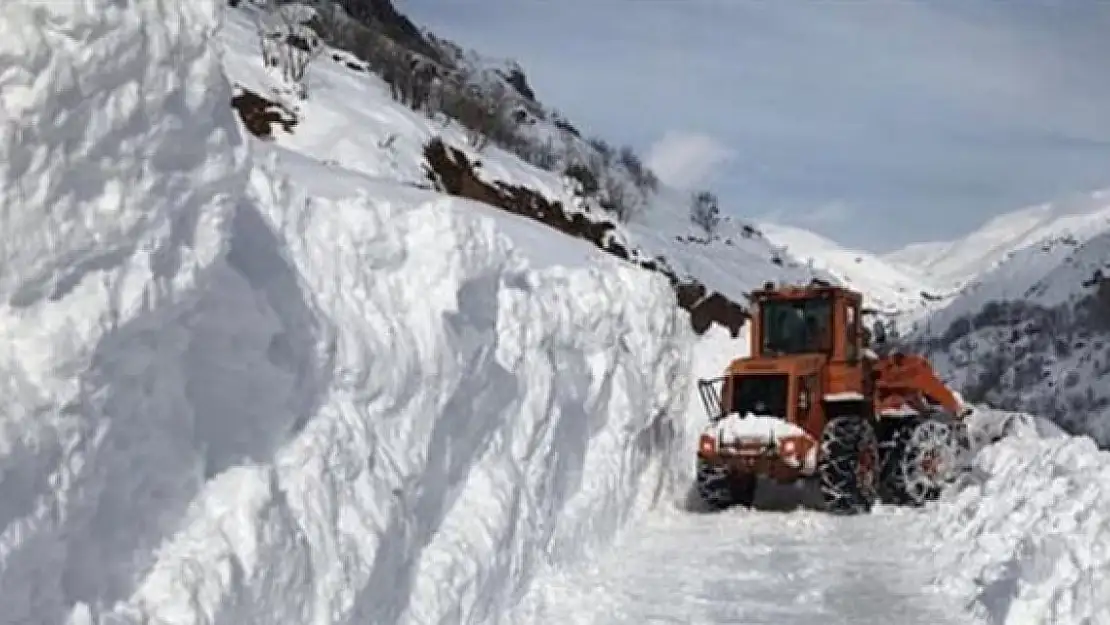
{"points": [[816, 289]]}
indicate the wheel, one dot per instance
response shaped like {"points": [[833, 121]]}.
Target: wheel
{"points": [[962, 439], [719, 488], [891, 451], [920, 458], [848, 465], [892, 480]]}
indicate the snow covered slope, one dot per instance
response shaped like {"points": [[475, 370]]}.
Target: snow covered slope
{"points": [[243, 386], [956, 265], [1013, 255], [350, 120], [898, 293], [1046, 351], [1030, 332], [1004, 258]]}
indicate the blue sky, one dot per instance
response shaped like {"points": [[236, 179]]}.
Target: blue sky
{"points": [[873, 122]]}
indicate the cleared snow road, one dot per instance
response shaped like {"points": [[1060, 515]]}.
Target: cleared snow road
{"points": [[772, 565]]}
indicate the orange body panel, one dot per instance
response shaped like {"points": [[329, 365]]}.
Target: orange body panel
{"points": [[908, 380], [792, 460]]}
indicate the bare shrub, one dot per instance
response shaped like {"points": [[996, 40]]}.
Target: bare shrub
{"points": [[585, 177], [617, 199], [543, 154], [332, 24], [289, 44], [644, 178], [484, 112], [705, 212], [605, 150]]}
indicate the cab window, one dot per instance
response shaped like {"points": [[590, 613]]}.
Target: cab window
{"points": [[796, 326]]}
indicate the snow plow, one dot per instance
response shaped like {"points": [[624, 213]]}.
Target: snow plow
{"points": [[815, 402]]}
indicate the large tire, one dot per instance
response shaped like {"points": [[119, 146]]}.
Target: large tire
{"points": [[848, 467], [720, 489], [892, 475], [920, 458]]}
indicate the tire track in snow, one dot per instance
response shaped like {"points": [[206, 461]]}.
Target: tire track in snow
{"points": [[756, 566]]}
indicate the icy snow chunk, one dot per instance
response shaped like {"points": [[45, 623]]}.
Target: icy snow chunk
{"points": [[735, 428], [1027, 539]]}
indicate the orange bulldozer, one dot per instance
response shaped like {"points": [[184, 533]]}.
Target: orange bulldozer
{"points": [[815, 402]]}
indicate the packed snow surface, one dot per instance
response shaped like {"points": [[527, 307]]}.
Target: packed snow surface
{"points": [[781, 563]]}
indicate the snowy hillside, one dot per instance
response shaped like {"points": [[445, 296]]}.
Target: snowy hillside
{"points": [[352, 120], [1003, 259], [1030, 331], [1045, 349], [899, 294], [1054, 227]]}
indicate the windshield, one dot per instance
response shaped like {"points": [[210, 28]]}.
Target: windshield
{"points": [[795, 327]]}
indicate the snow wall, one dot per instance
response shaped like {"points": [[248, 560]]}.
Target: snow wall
{"points": [[1025, 538], [232, 399]]}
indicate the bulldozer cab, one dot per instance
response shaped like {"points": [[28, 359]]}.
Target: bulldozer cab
{"points": [[806, 344], [813, 319]]}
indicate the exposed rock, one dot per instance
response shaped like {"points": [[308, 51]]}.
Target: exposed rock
{"points": [[260, 114], [516, 78], [451, 171], [382, 14]]}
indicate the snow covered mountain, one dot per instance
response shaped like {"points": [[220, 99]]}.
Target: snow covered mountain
{"points": [[1026, 324], [271, 353], [1054, 226], [1034, 335]]}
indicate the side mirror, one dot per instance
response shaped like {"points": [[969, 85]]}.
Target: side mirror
{"points": [[878, 330]]}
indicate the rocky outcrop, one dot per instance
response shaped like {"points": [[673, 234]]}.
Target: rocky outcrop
{"points": [[381, 14], [452, 172], [260, 115]]}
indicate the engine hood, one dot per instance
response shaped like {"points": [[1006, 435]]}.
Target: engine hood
{"points": [[794, 365]]}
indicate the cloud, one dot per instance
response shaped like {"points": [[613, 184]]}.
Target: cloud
{"points": [[686, 159], [829, 213]]}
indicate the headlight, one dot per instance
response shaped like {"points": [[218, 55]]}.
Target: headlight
{"points": [[707, 445]]}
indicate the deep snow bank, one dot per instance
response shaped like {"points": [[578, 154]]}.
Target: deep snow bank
{"points": [[1027, 540], [477, 421], [300, 397], [119, 158]]}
